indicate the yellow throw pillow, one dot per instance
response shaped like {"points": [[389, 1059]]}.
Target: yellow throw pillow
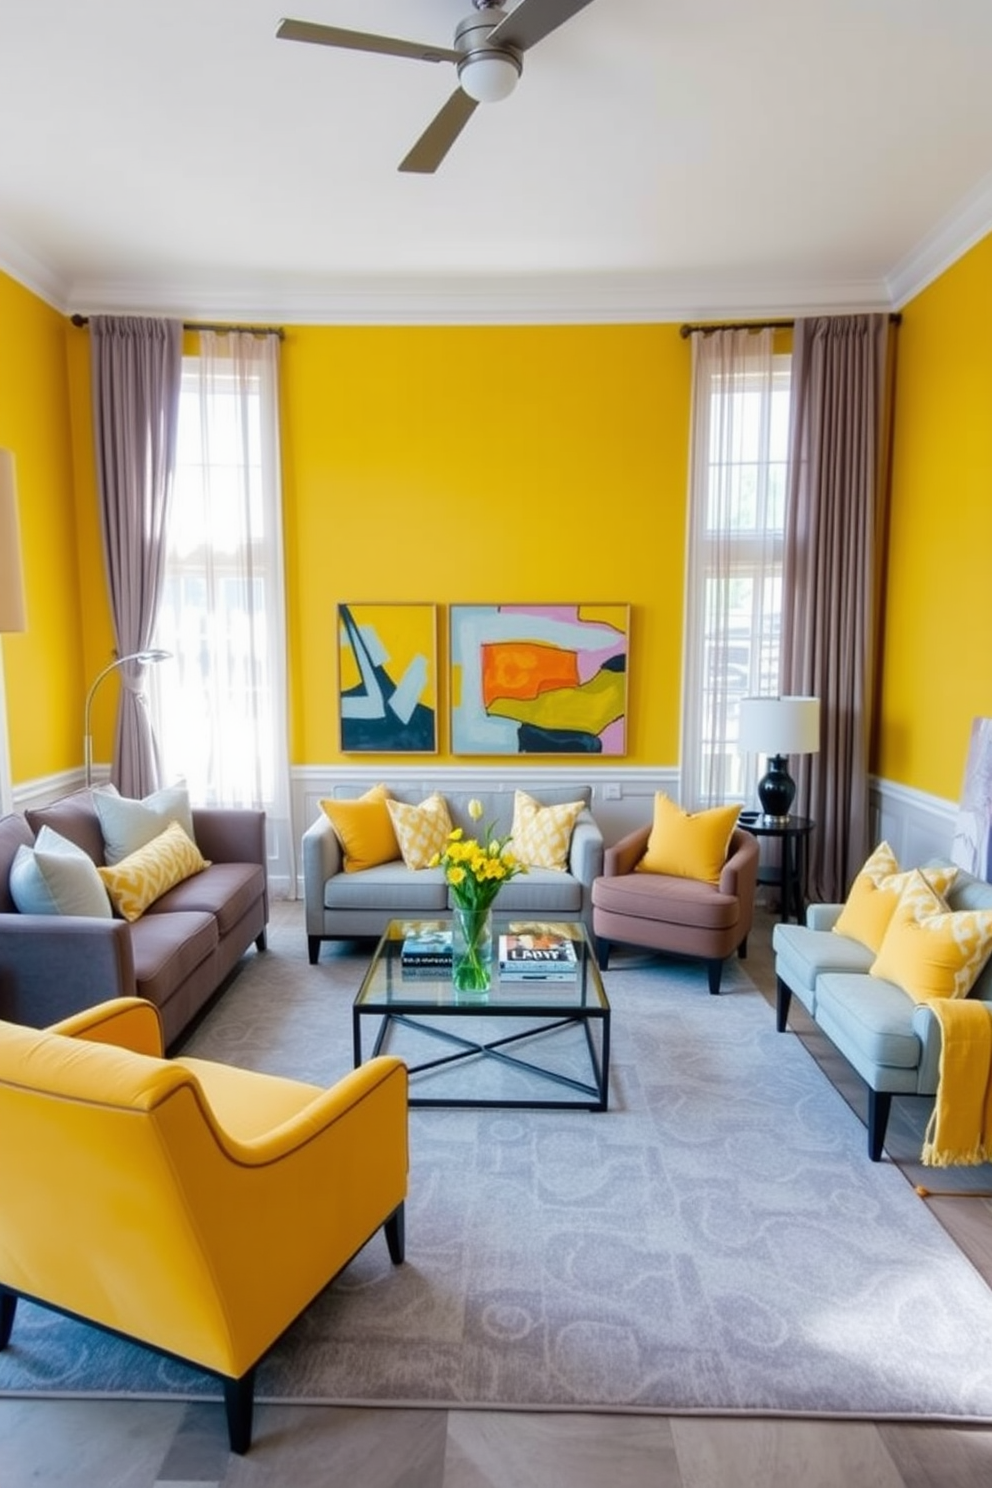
{"points": [[930, 950], [364, 829], [542, 835], [144, 876], [688, 844], [421, 831], [876, 892]]}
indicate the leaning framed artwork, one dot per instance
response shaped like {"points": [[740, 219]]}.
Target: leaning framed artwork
{"points": [[387, 678], [539, 679]]}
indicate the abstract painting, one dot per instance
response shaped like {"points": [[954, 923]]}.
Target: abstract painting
{"points": [[972, 843], [539, 679], [387, 678]]}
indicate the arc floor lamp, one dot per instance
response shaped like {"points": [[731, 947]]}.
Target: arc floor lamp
{"points": [[145, 657]]}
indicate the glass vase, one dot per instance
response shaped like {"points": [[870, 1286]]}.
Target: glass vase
{"points": [[472, 950]]}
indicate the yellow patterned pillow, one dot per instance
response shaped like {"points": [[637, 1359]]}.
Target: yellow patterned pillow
{"points": [[138, 880], [930, 950], [542, 835], [364, 830], [421, 831], [876, 892], [688, 844]]}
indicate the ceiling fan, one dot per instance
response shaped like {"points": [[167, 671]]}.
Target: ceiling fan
{"points": [[487, 51]]}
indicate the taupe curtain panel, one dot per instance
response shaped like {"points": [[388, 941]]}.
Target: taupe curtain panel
{"points": [[137, 371], [838, 474]]}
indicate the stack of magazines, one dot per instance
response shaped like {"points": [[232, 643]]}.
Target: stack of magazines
{"points": [[426, 949], [532, 956]]}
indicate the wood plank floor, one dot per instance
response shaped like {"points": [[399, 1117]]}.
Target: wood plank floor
{"points": [[141, 1444]]}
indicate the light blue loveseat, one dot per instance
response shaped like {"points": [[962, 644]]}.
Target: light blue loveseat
{"points": [[343, 905], [892, 1041]]}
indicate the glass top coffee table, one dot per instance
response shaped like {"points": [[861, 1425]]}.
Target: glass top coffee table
{"points": [[539, 1042]]}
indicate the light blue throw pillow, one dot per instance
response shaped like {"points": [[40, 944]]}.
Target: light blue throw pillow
{"points": [[129, 825], [55, 877]]}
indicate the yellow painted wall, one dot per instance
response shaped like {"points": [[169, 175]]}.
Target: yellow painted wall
{"points": [[937, 643], [486, 464], [461, 464], [44, 666]]}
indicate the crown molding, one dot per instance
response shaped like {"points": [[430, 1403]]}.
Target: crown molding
{"points": [[429, 299], [968, 222], [33, 274]]}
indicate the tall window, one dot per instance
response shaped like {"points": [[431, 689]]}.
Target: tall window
{"points": [[220, 705], [738, 459]]}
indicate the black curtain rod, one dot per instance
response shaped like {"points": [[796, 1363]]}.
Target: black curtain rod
{"points": [[200, 325], [752, 325]]}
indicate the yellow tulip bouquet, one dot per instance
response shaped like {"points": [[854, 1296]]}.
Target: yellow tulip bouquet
{"points": [[475, 872]]}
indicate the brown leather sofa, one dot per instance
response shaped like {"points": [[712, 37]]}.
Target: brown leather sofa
{"points": [[681, 916], [177, 954]]}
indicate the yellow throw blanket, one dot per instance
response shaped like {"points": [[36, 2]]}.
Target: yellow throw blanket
{"points": [[960, 1127]]}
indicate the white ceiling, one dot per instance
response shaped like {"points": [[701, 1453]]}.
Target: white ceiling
{"points": [[659, 159]]}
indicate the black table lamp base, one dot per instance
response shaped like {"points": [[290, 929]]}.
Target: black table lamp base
{"points": [[777, 789]]}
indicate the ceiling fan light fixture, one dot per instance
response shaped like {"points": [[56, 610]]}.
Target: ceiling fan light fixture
{"points": [[489, 77]]}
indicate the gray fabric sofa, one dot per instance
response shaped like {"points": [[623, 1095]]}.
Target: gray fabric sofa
{"points": [[176, 954], [892, 1041], [343, 905]]}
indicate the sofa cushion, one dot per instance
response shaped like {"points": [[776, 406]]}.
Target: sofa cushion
{"points": [[870, 1021], [143, 876], [930, 950], [685, 844], [399, 889], [128, 825], [539, 893], [72, 816], [802, 955], [662, 898], [876, 892], [421, 831], [226, 890], [167, 949], [364, 829], [542, 835], [57, 877]]}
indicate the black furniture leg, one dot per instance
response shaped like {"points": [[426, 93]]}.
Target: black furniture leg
{"points": [[602, 953], [261, 942], [742, 949], [714, 970], [879, 1105], [8, 1306], [313, 947], [239, 1402], [395, 1228], [783, 999]]}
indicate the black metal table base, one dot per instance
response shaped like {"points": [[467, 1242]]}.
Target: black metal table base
{"points": [[591, 1096]]}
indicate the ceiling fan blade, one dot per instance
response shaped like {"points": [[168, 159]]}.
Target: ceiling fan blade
{"points": [[362, 41], [533, 20], [440, 134]]}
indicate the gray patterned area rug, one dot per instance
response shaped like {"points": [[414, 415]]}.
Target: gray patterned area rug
{"points": [[716, 1242]]}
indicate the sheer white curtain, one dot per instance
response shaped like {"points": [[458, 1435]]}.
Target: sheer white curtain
{"points": [[221, 705], [737, 478]]}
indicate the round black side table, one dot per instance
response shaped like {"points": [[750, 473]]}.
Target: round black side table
{"points": [[788, 876]]}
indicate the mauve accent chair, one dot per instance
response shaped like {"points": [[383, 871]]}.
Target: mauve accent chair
{"points": [[680, 916]]}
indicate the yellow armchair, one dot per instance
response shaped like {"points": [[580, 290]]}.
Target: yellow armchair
{"points": [[191, 1206]]}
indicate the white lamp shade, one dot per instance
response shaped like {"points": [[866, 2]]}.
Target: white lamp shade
{"points": [[488, 78], [12, 616], [779, 725]]}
